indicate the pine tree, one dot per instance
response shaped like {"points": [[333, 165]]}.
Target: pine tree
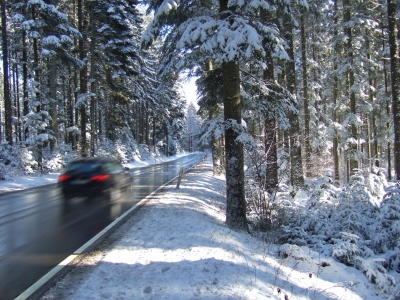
{"points": [[199, 29], [6, 83], [395, 81]]}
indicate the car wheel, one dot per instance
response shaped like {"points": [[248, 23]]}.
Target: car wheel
{"points": [[128, 187], [127, 191], [113, 194]]}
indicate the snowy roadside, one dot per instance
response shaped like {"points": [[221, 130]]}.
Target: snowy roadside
{"points": [[23, 182], [178, 247]]}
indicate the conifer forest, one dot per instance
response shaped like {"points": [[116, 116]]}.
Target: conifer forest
{"points": [[293, 97]]}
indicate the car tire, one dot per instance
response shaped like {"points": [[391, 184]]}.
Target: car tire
{"points": [[66, 198], [113, 194], [127, 191], [128, 187]]}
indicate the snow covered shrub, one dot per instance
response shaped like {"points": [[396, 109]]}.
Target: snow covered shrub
{"points": [[376, 273], [119, 149], [284, 168], [377, 183], [322, 193], [355, 211], [143, 153], [386, 238], [347, 224], [120, 152], [346, 248], [265, 211], [264, 208], [311, 223], [57, 160], [55, 163], [17, 160]]}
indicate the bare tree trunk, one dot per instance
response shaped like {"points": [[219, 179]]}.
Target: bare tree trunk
{"points": [[15, 92], [354, 165], [166, 150], [235, 197], [53, 103], [270, 140], [296, 169], [83, 81], [307, 117], [236, 203], [216, 156], [147, 124], [371, 97], [37, 69], [7, 95], [154, 134], [395, 81], [25, 79], [335, 150], [93, 118]]}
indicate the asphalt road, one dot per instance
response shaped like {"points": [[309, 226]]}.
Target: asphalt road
{"points": [[38, 230]]}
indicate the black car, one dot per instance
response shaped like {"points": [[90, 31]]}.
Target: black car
{"points": [[94, 176]]}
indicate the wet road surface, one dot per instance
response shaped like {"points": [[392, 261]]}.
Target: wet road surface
{"points": [[38, 230]]}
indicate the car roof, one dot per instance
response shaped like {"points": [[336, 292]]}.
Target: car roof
{"points": [[95, 159]]}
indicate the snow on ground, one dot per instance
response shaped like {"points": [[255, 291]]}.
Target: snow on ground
{"points": [[19, 183], [177, 246]]}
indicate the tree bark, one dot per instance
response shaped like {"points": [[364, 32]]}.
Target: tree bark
{"points": [[270, 143], [335, 150], [296, 169], [7, 95], [307, 136], [93, 135], [234, 165], [236, 204], [53, 103], [354, 165], [25, 79], [395, 81], [83, 80]]}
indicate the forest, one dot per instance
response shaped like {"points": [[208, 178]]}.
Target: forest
{"points": [[293, 97]]}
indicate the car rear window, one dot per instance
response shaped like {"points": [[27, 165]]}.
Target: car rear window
{"points": [[84, 166]]}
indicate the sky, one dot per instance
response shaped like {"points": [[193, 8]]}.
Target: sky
{"points": [[177, 246], [189, 89]]}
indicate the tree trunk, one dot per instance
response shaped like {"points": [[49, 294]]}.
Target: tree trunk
{"points": [[236, 203], [216, 156], [53, 102], [395, 81], [307, 136], [37, 76], [354, 165], [335, 150], [7, 95], [166, 150], [17, 127], [234, 165], [154, 134], [270, 142], [83, 80], [296, 169], [25, 79], [93, 118]]}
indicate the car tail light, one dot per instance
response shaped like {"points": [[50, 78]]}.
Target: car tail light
{"points": [[63, 177], [102, 177]]}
